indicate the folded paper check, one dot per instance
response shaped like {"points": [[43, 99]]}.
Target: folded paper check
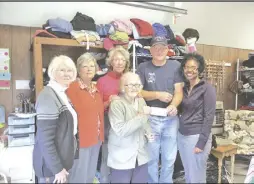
{"points": [[157, 111]]}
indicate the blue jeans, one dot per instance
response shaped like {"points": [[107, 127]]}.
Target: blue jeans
{"points": [[194, 163], [165, 132]]}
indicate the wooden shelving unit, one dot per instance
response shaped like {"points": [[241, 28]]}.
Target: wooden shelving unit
{"points": [[37, 55]]}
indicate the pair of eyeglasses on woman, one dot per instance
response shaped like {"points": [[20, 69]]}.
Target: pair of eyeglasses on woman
{"points": [[133, 85], [191, 68]]}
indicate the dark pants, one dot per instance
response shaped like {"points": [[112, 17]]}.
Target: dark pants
{"points": [[137, 175]]}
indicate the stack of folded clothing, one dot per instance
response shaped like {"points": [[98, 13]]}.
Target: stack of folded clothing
{"points": [[84, 30], [120, 36], [85, 37], [141, 29], [59, 27], [122, 26]]}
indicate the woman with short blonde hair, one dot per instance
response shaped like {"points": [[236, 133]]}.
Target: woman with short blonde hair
{"points": [[85, 58], [88, 104], [56, 123], [119, 62], [113, 52]]}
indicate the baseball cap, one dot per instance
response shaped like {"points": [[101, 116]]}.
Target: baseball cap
{"points": [[159, 40]]}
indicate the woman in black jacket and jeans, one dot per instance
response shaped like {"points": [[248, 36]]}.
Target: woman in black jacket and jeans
{"points": [[196, 119]]}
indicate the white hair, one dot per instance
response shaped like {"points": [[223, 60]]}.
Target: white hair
{"points": [[85, 58], [127, 76], [58, 61]]}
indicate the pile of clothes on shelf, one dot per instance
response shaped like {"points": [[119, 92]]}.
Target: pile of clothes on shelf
{"points": [[117, 32]]}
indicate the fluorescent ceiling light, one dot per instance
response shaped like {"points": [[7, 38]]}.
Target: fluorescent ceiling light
{"points": [[153, 6]]}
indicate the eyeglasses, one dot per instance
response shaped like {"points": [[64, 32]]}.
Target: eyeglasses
{"points": [[191, 68], [65, 70], [133, 85]]}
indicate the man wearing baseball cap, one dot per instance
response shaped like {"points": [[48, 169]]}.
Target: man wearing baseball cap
{"points": [[163, 83]]}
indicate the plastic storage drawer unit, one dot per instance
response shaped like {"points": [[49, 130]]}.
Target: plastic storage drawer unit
{"points": [[14, 120], [21, 129], [20, 140]]}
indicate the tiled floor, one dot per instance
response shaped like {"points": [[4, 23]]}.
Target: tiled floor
{"points": [[241, 168]]}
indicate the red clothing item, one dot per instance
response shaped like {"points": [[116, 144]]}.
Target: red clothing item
{"points": [[90, 110], [144, 28], [108, 85]]}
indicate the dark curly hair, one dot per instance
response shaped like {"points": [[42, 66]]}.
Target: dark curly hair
{"points": [[196, 57]]}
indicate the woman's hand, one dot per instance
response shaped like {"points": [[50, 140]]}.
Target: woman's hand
{"points": [[61, 177], [150, 137], [147, 110], [197, 150]]}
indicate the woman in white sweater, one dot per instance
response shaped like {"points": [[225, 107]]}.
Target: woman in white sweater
{"points": [[127, 144]]}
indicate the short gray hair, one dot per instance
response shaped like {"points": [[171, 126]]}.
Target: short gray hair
{"points": [[58, 61], [85, 58]]}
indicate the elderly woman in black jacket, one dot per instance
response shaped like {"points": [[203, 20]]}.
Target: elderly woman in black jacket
{"points": [[55, 143]]}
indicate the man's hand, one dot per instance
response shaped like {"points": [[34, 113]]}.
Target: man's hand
{"points": [[172, 110], [61, 177], [197, 150], [164, 96]]}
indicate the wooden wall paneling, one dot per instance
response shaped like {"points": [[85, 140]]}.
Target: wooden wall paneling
{"points": [[224, 56], [21, 64], [37, 50], [5, 42], [215, 53], [243, 54], [32, 32], [200, 48], [233, 56], [208, 52]]}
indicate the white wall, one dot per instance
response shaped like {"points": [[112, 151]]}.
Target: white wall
{"points": [[224, 24], [229, 24]]}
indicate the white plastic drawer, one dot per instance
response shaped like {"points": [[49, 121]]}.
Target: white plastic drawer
{"points": [[14, 120], [21, 129], [21, 173], [20, 140], [23, 181]]}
